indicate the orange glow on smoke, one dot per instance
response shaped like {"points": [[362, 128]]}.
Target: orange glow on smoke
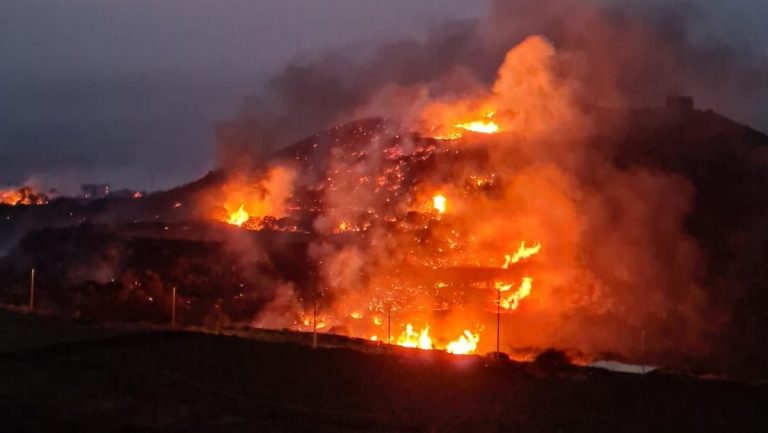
{"points": [[243, 202], [406, 271], [10, 197], [524, 99], [22, 196]]}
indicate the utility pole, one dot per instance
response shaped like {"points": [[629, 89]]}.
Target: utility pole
{"points": [[173, 308], [32, 290], [314, 324], [498, 322], [389, 324]]}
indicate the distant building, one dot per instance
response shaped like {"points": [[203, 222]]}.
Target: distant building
{"points": [[93, 191]]}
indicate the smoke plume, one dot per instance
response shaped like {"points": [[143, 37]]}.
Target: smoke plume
{"points": [[617, 271]]}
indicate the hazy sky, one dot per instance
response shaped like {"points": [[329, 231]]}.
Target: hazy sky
{"points": [[129, 91]]}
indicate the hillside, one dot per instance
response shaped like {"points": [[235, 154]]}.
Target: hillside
{"points": [[116, 259], [145, 381]]}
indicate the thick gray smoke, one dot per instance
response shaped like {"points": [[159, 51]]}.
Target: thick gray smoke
{"points": [[627, 265], [625, 54]]}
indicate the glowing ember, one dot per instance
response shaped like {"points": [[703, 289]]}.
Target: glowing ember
{"points": [[345, 227], [418, 340], [451, 136], [464, 345], [439, 202]]}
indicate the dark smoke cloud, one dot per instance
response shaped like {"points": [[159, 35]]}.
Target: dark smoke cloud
{"points": [[644, 51], [609, 55], [312, 94], [626, 54]]}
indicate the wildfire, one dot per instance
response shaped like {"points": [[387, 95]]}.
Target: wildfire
{"points": [[484, 126], [512, 300], [522, 252], [397, 249], [243, 199], [439, 202], [22, 196], [345, 227], [521, 101], [464, 345], [238, 217], [418, 340]]}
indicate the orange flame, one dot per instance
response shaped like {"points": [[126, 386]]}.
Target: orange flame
{"points": [[244, 200], [485, 126], [464, 345], [512, 300], [22, 196], [522, 252], [238, 217], [522, 99], [418, 340]]}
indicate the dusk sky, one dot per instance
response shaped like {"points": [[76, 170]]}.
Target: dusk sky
{"points": [[129, 91]]}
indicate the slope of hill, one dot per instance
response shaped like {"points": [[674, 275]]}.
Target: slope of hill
{"points": [[136, 242], [181, 381]]}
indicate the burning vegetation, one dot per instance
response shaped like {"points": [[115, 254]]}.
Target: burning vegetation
{"points": [[489, 203], [23, 196], [463, 214]]}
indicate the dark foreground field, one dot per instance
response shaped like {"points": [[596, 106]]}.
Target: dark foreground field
{"points": [[61, 376]]}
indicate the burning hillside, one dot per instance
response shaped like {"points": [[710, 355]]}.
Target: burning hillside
{"points": [[24, 196], [380, 228], [498, 201], [507, 217], [522, 220]]}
